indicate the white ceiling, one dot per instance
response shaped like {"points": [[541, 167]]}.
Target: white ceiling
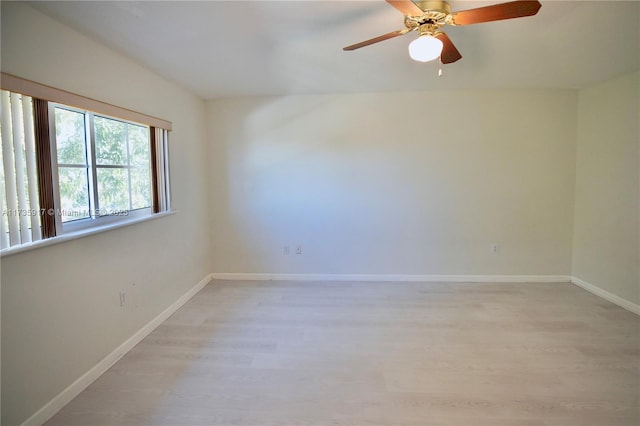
{"points": [[240, 48]]}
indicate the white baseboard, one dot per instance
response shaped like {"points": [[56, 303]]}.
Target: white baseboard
{"points": [[623, 303], [64, 397], [392, 277]]}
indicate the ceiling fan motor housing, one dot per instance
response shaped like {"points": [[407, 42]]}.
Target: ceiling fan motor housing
{"points": [[435, 14], [435, 6]]}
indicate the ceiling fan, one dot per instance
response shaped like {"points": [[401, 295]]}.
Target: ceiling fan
{"points": [[428, 16]]}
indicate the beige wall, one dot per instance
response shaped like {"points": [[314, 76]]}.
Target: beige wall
{"points": [[60, 304], [395, 183], [606, 229]]}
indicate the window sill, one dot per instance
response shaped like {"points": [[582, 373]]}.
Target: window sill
{"points": [[81, 234]]}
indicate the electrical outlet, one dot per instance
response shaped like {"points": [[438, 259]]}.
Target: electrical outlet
{"points": [[494, 248], [123, 299], [285, 250], [298, 249]]}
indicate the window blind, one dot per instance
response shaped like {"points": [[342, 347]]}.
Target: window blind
{"points": [[160, 169], [19, 196]]}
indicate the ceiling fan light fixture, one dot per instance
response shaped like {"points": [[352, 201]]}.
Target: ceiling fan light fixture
{"points": [[425, 48]]}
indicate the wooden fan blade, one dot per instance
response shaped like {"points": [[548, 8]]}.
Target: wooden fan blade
{"points": [[449, 52], [406, 7], [377, 39], [497, 12]]}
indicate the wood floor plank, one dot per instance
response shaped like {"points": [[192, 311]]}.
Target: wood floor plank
{"points": [[374, 353]]}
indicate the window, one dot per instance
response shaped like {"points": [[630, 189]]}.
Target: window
{"points": [[103, 166], [71, 163]]}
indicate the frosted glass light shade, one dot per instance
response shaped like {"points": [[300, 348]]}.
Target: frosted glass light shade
{"points": [[425, 48]]}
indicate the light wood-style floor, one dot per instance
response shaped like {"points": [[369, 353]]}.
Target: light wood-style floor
{"points": [[423, 354]]}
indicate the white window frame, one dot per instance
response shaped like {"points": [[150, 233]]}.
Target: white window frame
{"points": [[92, 221]]}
